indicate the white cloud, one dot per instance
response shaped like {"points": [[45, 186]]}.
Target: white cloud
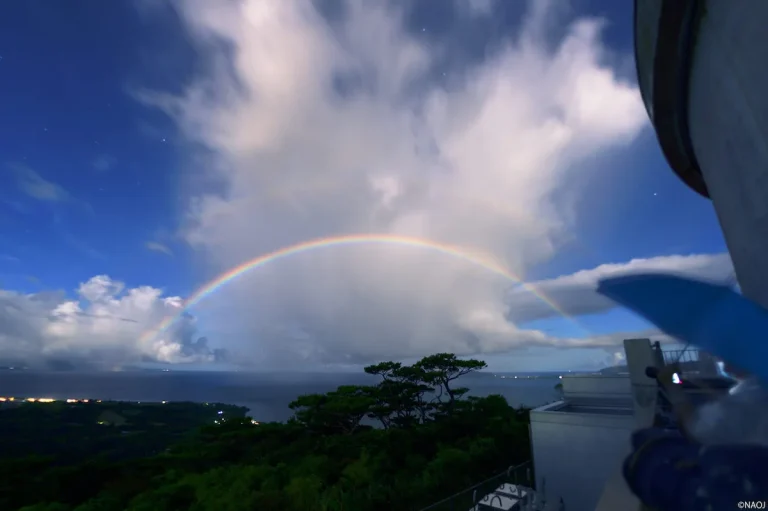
{"points": [[476, 7], [105, 323], [475, 164], [99, 288], [102, 326], [575, 294]]}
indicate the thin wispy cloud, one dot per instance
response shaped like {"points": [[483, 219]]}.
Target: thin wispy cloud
{"points": [[33, 185], [104, 163], [476, 7], [155, 246], [36, 186], [15, 206]]}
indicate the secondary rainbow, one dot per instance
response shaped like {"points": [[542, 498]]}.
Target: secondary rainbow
{"points": [[305, 246]]}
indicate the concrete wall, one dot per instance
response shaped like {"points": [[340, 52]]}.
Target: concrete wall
{"points": [[640, 355], [728, 116], [577, 453]]}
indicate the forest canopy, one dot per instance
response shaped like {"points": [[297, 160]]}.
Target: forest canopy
{"points": [[410, 440]]}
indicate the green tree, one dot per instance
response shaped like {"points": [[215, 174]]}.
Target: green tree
{"points": [[324, 459], [337, 411], [387, 370], [400, 396], [303, 492], [443, 368]]}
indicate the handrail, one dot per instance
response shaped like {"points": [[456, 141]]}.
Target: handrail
{"points": [[494, 496], [451, 501]]}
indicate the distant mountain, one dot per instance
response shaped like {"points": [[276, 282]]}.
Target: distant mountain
{"points": [[136, 368], [614, 370]]}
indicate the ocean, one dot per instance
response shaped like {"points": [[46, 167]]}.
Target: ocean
{"points": [[266, 395]]}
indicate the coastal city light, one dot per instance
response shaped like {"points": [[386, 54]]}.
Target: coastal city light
{"points": [[70, 400]]}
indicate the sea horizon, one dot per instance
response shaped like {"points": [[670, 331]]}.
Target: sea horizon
{"points": [[265, 394]]}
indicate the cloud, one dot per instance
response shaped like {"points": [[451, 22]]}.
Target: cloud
{"points": [[476, 162], [100, 327], [476, 7], [575, 294], [104, 163], [37, 187], [158, 247]]}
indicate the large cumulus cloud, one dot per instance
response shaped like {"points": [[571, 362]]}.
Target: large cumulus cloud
{"points": [[100, 328], [105, 326], [321, 129]]}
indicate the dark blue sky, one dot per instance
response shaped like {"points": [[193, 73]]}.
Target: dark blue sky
{"points": [[89, 175]]}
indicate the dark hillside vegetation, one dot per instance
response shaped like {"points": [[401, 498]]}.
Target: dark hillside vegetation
{"points": [[426, 445]]}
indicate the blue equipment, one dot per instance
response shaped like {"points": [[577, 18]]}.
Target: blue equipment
{"points": [[667, 472]]}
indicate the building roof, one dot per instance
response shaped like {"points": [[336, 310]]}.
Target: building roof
{"points": [[664, 36]]}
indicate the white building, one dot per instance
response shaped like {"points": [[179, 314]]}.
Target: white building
{"points": [[702, 73], [580, 442]]}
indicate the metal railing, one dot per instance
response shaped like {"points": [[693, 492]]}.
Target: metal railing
{"points": [[471, 497], [692, 360], [681, 356]]}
